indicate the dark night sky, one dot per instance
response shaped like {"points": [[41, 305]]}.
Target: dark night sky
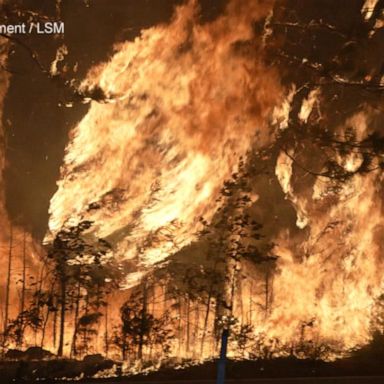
{"points": [[37, 127]]}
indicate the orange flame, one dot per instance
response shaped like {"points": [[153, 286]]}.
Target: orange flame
{"points": [[184, 102], [334, 275]]}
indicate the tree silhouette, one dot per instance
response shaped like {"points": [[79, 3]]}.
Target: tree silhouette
{"points": [[79, 260], [140, 329]]}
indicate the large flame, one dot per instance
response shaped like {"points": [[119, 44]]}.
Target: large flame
{"points": [[333, 274], [184, 102], [181, 105]]}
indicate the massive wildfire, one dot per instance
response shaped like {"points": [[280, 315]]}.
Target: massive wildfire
{"points": [[183, 103], [188, 106]]}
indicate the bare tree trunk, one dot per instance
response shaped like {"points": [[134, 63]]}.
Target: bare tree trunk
{"points": [[188, 310], [85, 332], [63, 298], [7, 289], [106, 336], [23, 289], [206, 318], [99, 295], [250, 310], [54, 329], [124, 346], [44, 328], [267, 294], [47, 315], [19, 341], [143, 320], [22, 301], [216, 331], [240, 300], [180, 326], [153, 308], [196, 329], [75, 331]]}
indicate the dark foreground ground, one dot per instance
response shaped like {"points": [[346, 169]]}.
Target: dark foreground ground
{"points": [[365, 366], [283, 371], [305, 380]]}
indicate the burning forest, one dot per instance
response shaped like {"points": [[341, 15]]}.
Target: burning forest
{"points": [[181, 175]]}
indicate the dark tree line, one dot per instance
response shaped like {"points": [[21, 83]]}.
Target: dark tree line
{"points": [[85, 273]]}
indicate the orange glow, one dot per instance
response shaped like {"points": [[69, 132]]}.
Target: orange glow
{"points": [[176, 112], [183, 105]]}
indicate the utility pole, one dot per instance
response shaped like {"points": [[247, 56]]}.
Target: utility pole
{"points": [[223, 357], [233, 268]]}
